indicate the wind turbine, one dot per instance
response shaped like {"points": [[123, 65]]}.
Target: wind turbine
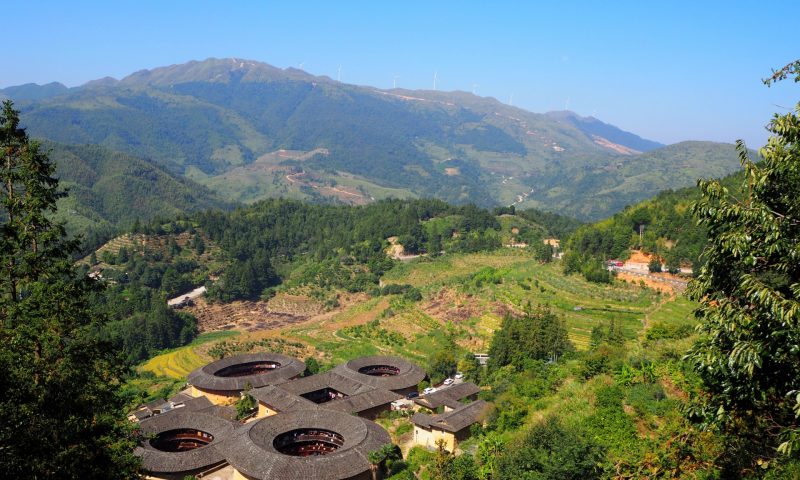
{"points": [[394, 81], [301, 65], [435, 74], [474, 86], [511, 100], [339, 75]]}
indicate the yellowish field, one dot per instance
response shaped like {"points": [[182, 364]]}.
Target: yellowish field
{"points": [[176, 364], [179, 362]]}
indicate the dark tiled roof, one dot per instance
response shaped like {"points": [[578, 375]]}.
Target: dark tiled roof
{"points": [[155, 404], [158, 461], [363, 401], [206, 378], [227, 412], [250, 449], [280, 400], [422, 419], [199, 403], [455, 420], [409, 374], [142, 414], [346, 385], [448, 396], [180, 398]]}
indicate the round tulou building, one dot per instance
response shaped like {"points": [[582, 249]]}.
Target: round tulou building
{"points": [[384, 372], [315, 444], [180, 444], [223, 381]]}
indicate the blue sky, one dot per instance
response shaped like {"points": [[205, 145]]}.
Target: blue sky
{"points": [[668, 71]]}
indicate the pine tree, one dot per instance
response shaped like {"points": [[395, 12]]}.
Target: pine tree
{"points": [[60, 416]]}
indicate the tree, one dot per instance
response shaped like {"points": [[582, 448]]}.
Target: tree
{"points": [[312, 367], [554, 451], [748, 289], [60, 415], [655, 264], [442, 364], [470, 367], [246, 403], [543, 252], [538, 335], [381, 460]]}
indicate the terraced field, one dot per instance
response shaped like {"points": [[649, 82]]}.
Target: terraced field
{"points": [[465, 298], [460, 300], [520, 280], [179, 362]]}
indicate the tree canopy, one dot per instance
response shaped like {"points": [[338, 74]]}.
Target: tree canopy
{"points": [[749, 294], [60, 415]]}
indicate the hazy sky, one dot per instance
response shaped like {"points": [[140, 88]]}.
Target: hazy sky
{"points": [[666, 70]]}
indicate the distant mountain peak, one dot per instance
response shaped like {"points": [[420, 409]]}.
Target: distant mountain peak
{"points": [[214, 70], [33, 91], [101, 82]]}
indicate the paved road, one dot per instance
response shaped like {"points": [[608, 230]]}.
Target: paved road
{"points": [[191, 296]]}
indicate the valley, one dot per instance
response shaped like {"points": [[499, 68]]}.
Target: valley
{"points": [[439, 241]]}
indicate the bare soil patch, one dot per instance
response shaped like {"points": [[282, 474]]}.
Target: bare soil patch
{"points": [[649, 282]]}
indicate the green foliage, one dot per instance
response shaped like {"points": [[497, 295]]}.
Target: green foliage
{"points": [[110, 190], [538, 335], [447, 466], [373, 331], [557, 226], [60, 415], [312, 367], [334, 246], [387, 459], [655, 265], [551, 450], [594, 270], [442, 364], [748, 291], [141, 324], [543, 252], [469, 366], [246, 404]]}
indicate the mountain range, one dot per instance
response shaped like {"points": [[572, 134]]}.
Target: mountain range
{"points": [[248, 130]]}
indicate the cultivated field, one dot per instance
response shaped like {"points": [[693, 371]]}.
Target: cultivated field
{"points": [[465, 297], [179, 362]]}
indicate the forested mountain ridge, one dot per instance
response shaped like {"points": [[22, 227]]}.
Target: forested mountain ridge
{"points": [[226, 122], [110, 190]]}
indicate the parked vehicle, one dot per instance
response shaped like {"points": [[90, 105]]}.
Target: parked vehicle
{"points": [[448, 381], [412, 395], [428, 390], [459, 376]]}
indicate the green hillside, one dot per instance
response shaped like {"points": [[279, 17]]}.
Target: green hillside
{"points": [[223, 120], [668, 226], [109, 189]]}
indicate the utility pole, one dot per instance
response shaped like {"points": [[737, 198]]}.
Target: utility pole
{"points": [[641, 234]]}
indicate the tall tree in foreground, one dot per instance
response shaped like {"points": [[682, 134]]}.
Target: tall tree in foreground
{"points": [[748, 355], [60, 416]]}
